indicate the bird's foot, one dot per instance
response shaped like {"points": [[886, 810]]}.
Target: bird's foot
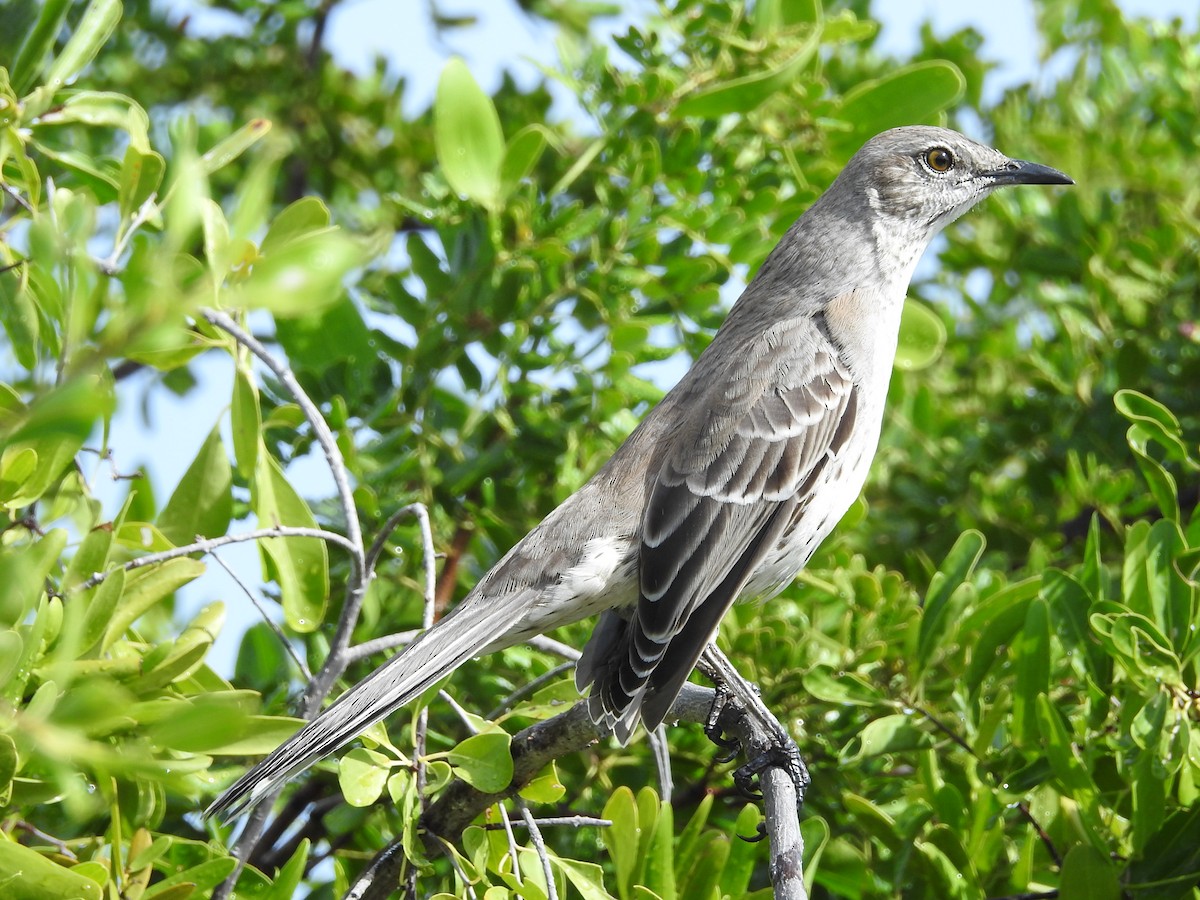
{"points": [[729, 747], [785, 756]]}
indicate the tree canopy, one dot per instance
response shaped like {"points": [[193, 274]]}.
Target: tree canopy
{"points": [[992, 666]]}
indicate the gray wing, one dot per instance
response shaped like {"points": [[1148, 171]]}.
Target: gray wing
{"points": [[735, 482]]}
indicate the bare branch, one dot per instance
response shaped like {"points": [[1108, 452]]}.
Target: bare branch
{"points": [[208, 545], [535, 836]]}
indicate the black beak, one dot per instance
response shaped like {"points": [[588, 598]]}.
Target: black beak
{"points": [[1019, 171]]}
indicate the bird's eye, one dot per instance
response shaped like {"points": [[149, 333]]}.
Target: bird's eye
{"points": [[939, 159]]}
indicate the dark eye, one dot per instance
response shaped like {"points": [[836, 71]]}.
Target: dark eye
{"points": [[939, 159]]}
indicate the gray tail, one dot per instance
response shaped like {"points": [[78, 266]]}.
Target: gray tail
{"points": [[400, 680]]}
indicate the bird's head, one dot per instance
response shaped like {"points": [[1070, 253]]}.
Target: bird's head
{"points": [[921, 177]]}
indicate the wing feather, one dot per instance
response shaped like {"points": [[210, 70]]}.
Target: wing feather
{"points": [[741, 471]]}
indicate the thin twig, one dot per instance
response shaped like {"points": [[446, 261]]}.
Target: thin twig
{"points": [[421, 514], [550, 645], [551, 821], [271, 623], [506, 824], [208, 545], [535, 835], [379, 644], [16, 197]]}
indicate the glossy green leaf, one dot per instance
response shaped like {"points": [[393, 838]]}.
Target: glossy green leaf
{"points": [[94, 28], [106, 109], [911, 94], [39, 41], [954, 571], [521, 154], [546, 788], [304, 275], [19, 316], [362, 775], [147, 586], [202, 503], [484, 761], [233, 146], [8, 762], [295, 221], [621, 838], [888, 734], [246, 422], [141, 175], [299, 565], [468, 136], [1031, 659], [26, 874]]}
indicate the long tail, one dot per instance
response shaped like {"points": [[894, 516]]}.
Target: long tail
{"points": [[400, 680]]}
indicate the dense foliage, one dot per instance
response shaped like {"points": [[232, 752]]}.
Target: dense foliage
{"points": [[993, 666]]}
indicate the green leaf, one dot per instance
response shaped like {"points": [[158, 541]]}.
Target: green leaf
{"points": [[202, 503], [299, 565], [909, 95], [1070, 604], [1061, 752], [1031, 659], [1170, 863], [98, 22], [287, 879], [1157, 423], [8, 762], [546, 788], [55, 427], [658, 833], [141, 175], [295, 221], [740, 95], [38, 42], [147, 586], [484, 761], [743, 857], [889, 734], [954, 571], [230, 148], [27, 875], [246, 422], [1152, 583], [922, 337], [362, 775], [106, 109], [520, 156], [621, 838], [468, 136], [304, 275], [19, 316], [204, 877]]}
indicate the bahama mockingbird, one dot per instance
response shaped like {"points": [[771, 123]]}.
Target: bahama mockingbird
{"points": [[729, 484]]}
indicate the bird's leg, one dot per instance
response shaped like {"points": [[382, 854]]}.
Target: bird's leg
{"points": [[712, 727], [777, 747]]}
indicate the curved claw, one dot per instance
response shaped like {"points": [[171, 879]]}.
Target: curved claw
{"points": [[786, 757], [759, 833]]}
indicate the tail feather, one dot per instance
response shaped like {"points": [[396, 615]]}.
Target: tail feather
{"points": [[434, 654]]}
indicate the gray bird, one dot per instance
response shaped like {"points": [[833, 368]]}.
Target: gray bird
{"points": [[728, 485]]}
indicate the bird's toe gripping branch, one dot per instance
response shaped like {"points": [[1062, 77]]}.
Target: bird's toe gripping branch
{"points": [[776, 748]]}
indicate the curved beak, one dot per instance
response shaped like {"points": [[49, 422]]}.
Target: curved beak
{"points": [[1020, 171]]}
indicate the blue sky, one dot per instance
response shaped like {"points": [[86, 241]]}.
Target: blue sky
{"points": [[166, 439]]}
